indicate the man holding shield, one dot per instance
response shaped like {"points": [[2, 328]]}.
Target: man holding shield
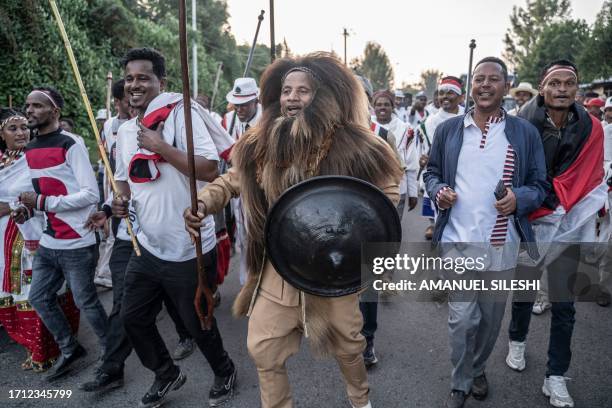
{"points": [[315, 122]]}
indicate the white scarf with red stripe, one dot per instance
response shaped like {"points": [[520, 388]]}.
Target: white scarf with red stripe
{"points": [[143, 166], [581, 194]]}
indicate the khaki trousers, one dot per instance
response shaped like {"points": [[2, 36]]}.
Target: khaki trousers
{"points": [[274, 335]]}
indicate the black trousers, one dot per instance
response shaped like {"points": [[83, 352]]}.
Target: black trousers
{"points": [[118, 346], [147, 280], [561, 273]]}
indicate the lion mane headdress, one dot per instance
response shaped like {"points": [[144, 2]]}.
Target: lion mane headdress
{"points": [[330, 136]]}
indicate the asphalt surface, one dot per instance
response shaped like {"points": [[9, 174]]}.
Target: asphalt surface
{"points": [[413, 371]]}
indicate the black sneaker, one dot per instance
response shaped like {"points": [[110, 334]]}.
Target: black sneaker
{"points": [[158, 391], [67, 364], [456, 399], [369, 354], [222, 390], [103, 382], [184, 349], [480, 387]]}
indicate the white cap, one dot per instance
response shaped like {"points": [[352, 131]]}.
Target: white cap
{"points": [[399, 93], [244, 90], [101, 114], [608, 103]]}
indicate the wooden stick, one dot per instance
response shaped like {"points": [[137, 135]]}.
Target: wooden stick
{"points": [[109, 87], [216, 86], [248, 64], [92, 119], [203, 287]]}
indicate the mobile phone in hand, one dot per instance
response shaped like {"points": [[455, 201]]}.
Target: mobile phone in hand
{"points": [[500, 190]]}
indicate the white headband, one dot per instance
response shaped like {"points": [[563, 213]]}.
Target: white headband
{"points": [[47, 96], [559, 68], [450, 87]]}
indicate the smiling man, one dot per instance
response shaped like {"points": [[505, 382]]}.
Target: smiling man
{"points": [[573, 149], [152, 173], [508, 150], [449, 96], [315, 122]]}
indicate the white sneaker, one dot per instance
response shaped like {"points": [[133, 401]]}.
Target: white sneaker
{"points": [[540, 306], [555, 388], [516, 355], [366, 406]]}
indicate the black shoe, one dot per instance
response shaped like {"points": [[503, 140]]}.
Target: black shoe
{"points": [[222, 390], [103, 382], [480, 387], [603, 299], [66, 364], [456, 399], [160, 388], [369, 354], [184, 349]]}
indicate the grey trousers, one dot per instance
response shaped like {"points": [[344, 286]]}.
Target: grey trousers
{"points": [[474, 321]]}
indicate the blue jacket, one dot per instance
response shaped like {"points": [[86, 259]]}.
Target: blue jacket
{"points": [[528, 184]]}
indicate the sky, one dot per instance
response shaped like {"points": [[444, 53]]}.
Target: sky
{"points": [[417, 35]]}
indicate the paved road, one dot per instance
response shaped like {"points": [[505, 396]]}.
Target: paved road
{"points": [[414, 367]]}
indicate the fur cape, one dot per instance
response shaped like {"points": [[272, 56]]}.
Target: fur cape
{"points": [[329, 137]]}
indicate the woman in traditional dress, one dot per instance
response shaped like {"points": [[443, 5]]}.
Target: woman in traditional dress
{"points": [[18, 244]]}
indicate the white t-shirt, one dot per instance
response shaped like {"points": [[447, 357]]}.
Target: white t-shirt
{"points": [[473, 216], [159, 204]]}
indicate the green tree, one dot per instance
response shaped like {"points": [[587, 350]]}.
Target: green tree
{"points": [[429, 81], [558, 40], [527, 25], [374, 65], [594, 60]]}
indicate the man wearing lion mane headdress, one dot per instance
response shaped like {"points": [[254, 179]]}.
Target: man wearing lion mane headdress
{"points": [[315, 122]]}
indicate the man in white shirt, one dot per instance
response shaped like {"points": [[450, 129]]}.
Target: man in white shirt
{"points": [[151, 171], [449, 96]]}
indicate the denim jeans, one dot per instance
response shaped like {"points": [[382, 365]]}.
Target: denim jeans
{"points": [[560, 272], [368, 305], [51, 267]]}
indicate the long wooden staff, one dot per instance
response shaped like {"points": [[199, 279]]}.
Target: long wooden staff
{"points": [[109, 90], [272, 41], [248, 64], [92, 120], [216, 86], [203, 288], [469, 76]]}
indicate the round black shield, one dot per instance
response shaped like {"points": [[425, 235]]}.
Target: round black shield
{"points": [[315, 231]]}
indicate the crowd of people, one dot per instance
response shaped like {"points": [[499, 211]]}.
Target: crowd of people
{"points": [[64, 229]]}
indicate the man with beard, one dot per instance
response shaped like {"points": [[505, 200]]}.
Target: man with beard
{"points": [[418, 113], [314, 122], [65, 189], [474, 220], [449, 98], [573, 149], [385, 121], [152, 170]]}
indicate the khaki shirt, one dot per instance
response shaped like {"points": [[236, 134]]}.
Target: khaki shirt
{"points": [[273, 287]]}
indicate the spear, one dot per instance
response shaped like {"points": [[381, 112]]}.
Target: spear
{"points": [[92, 120], [469, 75], [203, 288], [248, 64], [272, 44], [216, 86], [109, 87]]}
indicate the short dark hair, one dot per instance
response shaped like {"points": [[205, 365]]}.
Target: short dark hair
{"points": [[562, 62], [53, 93], [118, 89], [149, 54], [495, 60], [67, 120]]}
